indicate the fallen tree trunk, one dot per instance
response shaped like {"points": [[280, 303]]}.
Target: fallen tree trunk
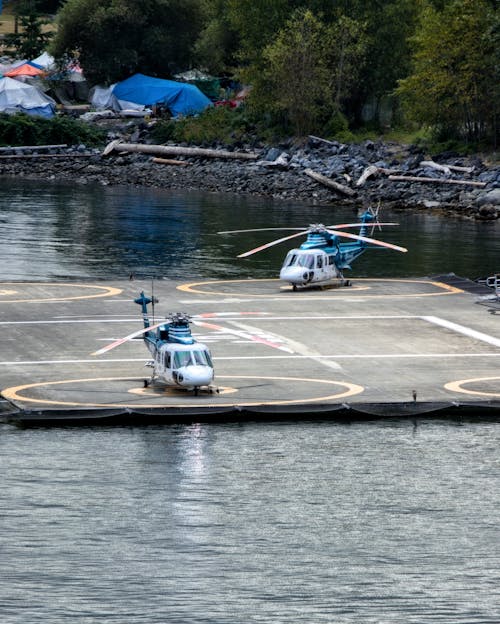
{"points": [[315, 138], [170, 161], [173, 150], [445, 168], [25, 156], [372, 170], [32, 147], [398, 178], [345, 190]]}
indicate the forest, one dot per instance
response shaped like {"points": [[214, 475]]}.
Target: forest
{"points": [[315, 67]]}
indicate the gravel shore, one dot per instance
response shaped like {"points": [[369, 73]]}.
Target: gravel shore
{"points": [[464, 187]]}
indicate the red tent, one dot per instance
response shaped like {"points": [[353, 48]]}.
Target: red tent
{"points": [[27, 69]]}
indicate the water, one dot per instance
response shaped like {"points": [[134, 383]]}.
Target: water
{"points": [[303, 522], [289, 522], [61, 232]]}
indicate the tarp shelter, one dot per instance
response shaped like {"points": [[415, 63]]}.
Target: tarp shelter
{"points": [[26, 69], [18, 97], [180, 98], [45, 60], [207, 84]]}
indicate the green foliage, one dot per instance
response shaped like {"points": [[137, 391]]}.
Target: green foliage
{"points": [[30, 40], [307, 70], [22, 129], [454, 86], [217, 124], [337, 128], [217, 45], [116, 38]]}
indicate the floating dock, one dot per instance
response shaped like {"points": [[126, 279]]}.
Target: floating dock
{"points": [[381, 348]]}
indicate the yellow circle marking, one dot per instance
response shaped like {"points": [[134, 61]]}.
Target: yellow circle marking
{"points": [[456, 386], [107, 291], [197, 287], [14, 393]]}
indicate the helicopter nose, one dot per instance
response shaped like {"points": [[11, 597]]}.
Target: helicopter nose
{"points": [[294, 275], [194, 376]]}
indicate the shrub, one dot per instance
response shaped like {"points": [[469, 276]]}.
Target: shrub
{"points": [[215, 125], [22, 129]]}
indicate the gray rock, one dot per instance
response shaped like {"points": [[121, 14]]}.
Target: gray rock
{"points": [[490, 197]]}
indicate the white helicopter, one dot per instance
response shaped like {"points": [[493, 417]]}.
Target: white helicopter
{"points": [[322, 257], [178, 359]]}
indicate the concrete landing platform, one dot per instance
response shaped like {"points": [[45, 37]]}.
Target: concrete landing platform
{"points": [[380, 348]]}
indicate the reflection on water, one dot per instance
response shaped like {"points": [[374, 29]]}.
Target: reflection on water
{"points": [[54, 231]]}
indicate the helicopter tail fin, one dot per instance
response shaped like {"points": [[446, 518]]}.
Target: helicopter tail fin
{"points": [[143, 301]]}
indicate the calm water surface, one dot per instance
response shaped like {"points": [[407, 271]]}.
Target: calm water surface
{"points": [[59, 231], [306, 522], [276, 522]]}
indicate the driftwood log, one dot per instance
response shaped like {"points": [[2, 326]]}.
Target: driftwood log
{"points": [[445, 168], [372, 170], [315, 138], [340, 188], [173, 150], [33, 147], [170, 161], [398, 178], [45, 156]]}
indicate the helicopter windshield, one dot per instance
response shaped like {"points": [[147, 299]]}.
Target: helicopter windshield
{"points": [[300, 260], [187, 358]]}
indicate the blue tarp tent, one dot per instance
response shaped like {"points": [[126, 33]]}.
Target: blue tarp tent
{"points": [[180, 98], [19, 97]]}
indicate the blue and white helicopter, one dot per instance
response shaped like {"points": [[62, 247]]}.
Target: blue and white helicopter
{"points": [[178, 359], [322, 258]]}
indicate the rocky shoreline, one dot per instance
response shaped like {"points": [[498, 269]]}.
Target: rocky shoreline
{"points": [[364, 174]]}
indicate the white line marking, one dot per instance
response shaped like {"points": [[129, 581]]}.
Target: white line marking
{"points": [[378, 356], [461, 329]]}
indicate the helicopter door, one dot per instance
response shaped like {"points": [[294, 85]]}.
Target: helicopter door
{"points": [[321, 269]]}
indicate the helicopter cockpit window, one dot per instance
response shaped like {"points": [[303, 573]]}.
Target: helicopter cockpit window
{"points": [[305, 260], [290, 259], [182, 358], [319, 262], [202, 358]]}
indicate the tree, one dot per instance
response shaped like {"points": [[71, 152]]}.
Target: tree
{"points": [[30, 39], [115, 38], [454, 85], [308, 69], [218, 43]]}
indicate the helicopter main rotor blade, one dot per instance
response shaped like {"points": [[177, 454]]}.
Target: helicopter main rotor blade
{"points": [[120, 341], [284, 229], [349, 225], [266, 245], [367, 239]]}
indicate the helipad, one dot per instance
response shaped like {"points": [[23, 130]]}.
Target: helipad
{"points": [[380, 348]]}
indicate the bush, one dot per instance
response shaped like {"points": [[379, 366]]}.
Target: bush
{"points": [[337, 128], [22, 129], [215, 125]]}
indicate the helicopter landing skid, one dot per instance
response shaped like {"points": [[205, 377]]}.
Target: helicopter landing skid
{"points": [[342, 283]]}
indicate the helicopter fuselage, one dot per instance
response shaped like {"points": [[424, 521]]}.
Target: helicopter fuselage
{"points": [[318, 261], [187, 365]]}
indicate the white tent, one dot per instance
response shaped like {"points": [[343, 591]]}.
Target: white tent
{"points": [[45, 60], [19, 97]]}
